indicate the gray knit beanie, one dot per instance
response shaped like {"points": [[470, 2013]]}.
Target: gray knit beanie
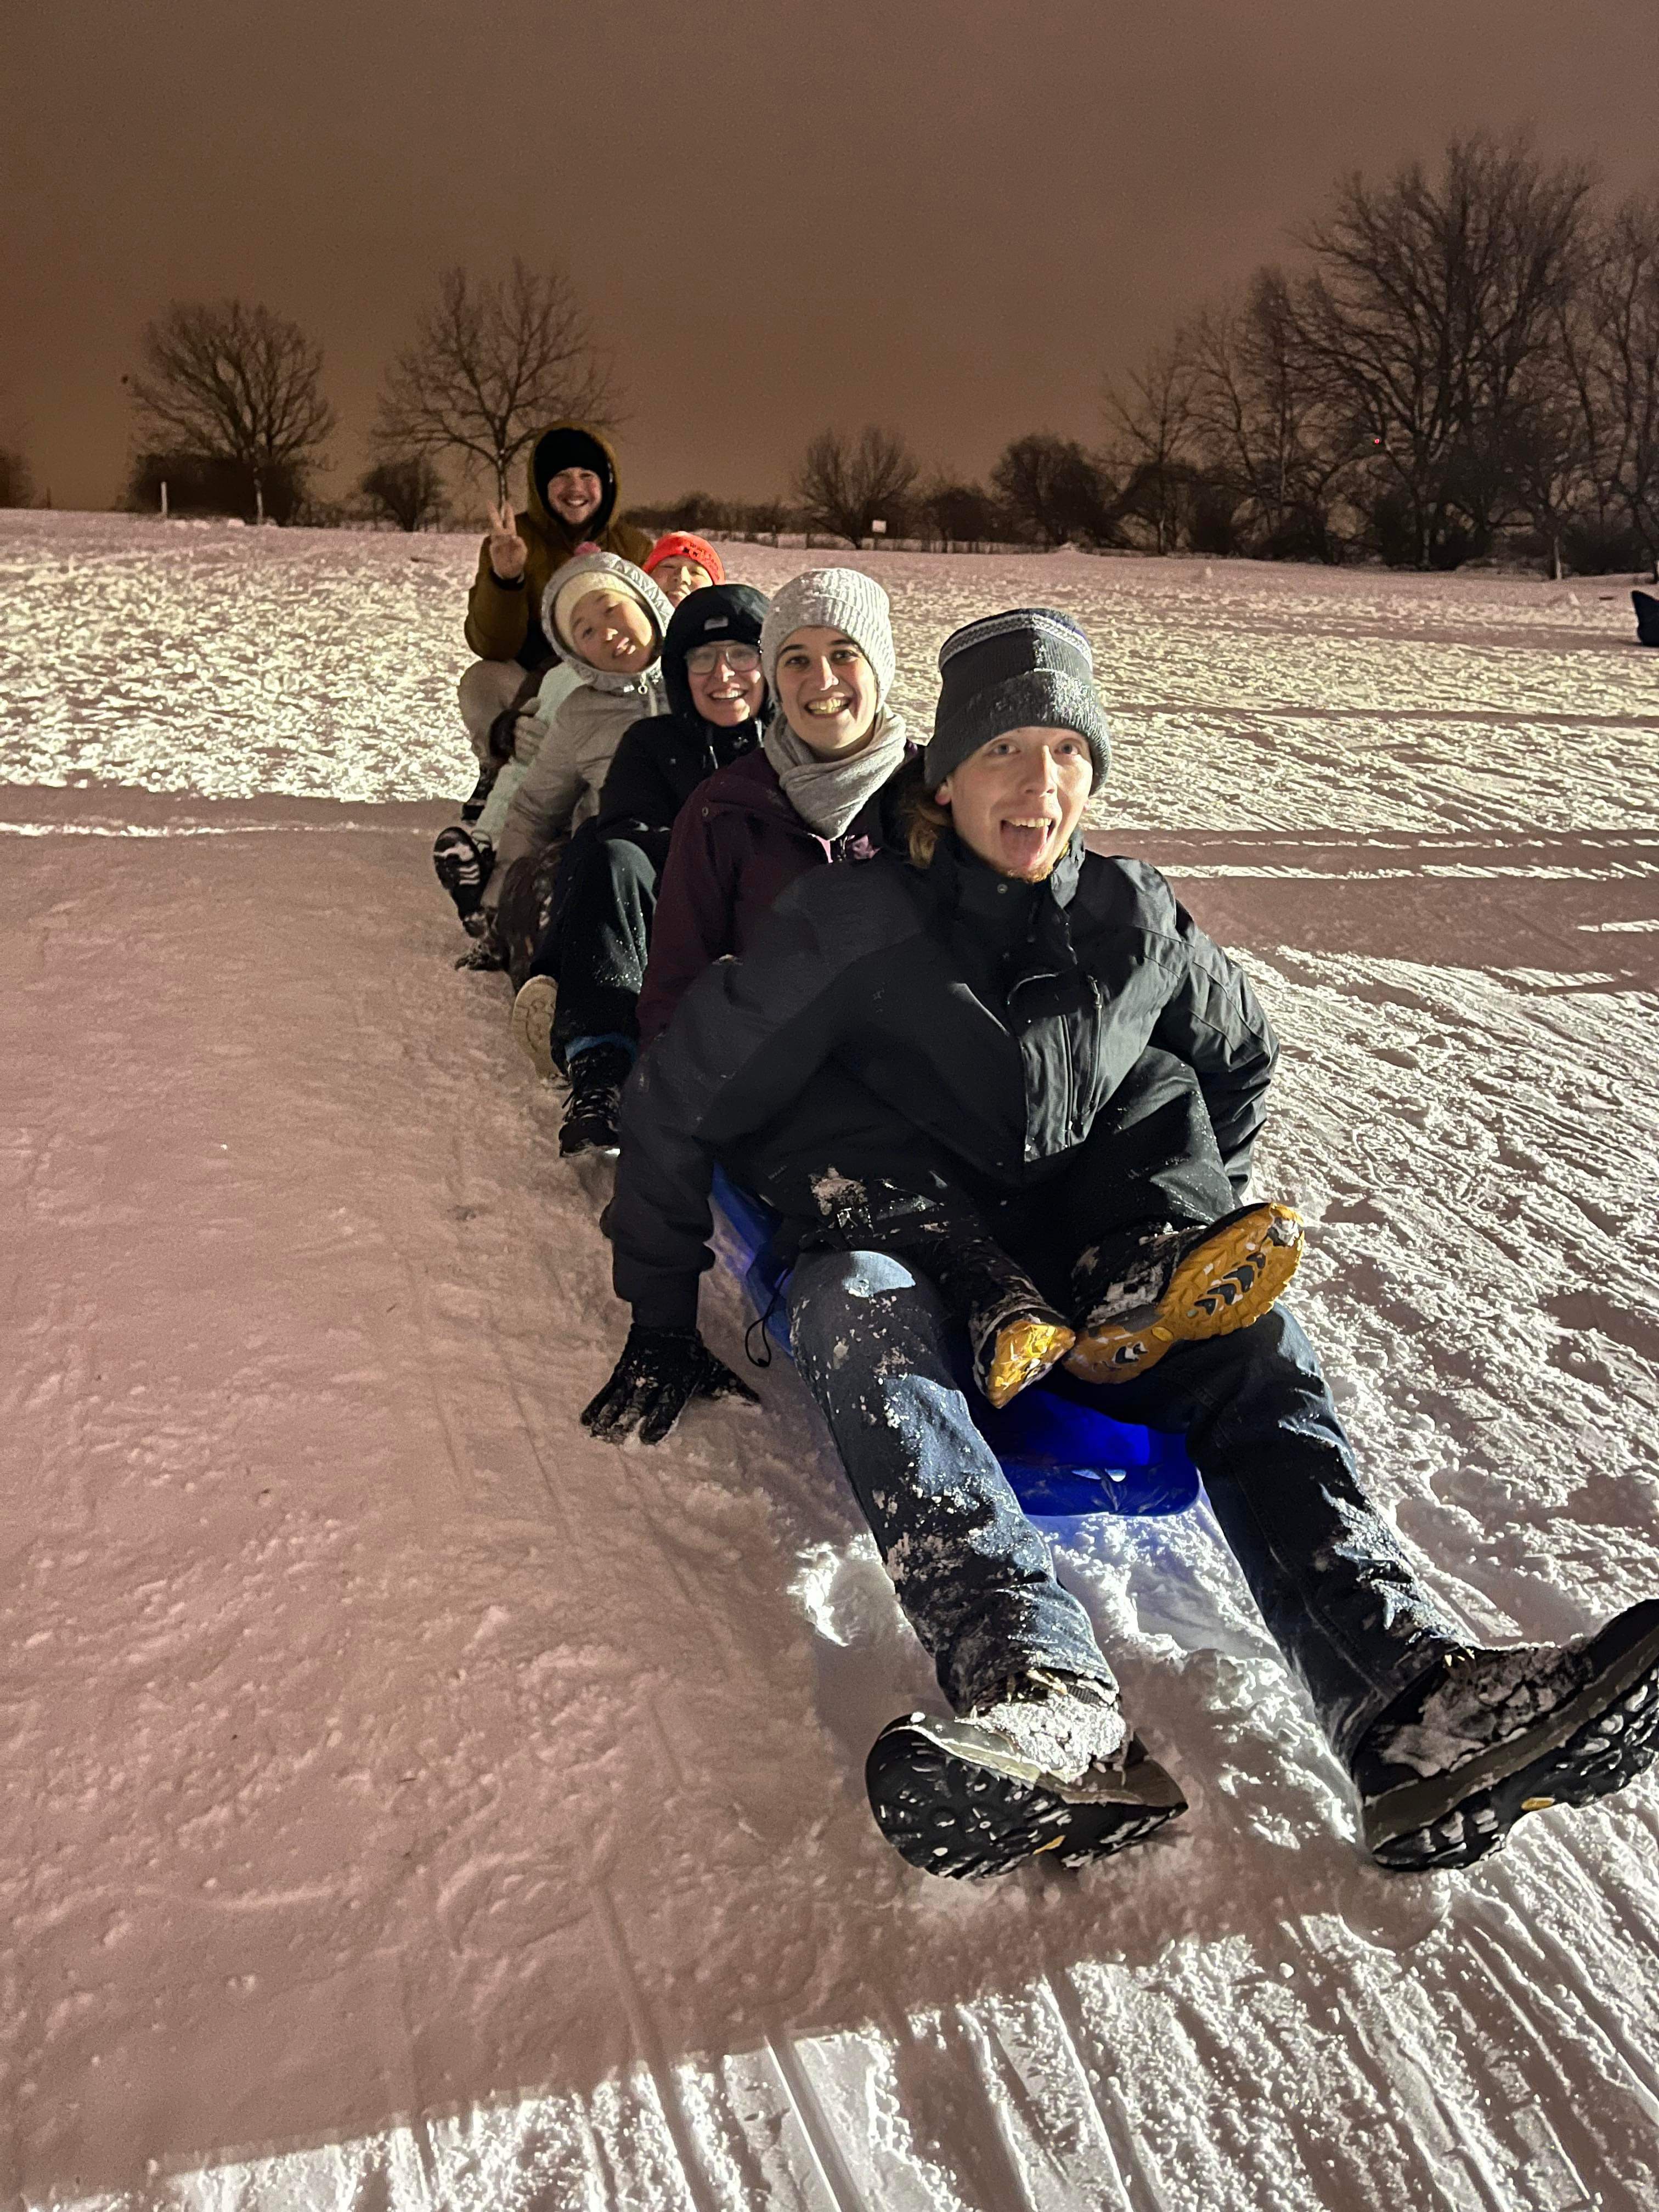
{"points": [[1030, 669], [832, 598]]}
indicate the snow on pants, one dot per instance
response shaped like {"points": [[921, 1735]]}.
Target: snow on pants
{"points": [[596, 946], [873, 1346], [975, 1577]]}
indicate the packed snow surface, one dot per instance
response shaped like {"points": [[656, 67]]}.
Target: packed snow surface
{"points": [[412, 1802]]}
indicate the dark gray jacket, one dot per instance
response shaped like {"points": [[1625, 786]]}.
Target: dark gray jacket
{"points": [[996, 1019]]}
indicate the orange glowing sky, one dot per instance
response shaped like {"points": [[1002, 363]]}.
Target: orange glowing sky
{"points": [[951, 218]]}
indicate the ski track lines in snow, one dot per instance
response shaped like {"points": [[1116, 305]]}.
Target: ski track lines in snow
{"points": [[412, 1802]]}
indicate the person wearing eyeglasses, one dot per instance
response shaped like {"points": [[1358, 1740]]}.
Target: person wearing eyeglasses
{"points": [[578, 1009]]}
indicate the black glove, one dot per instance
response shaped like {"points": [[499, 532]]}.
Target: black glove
{"points": [[660, 1371], [504, 736]]}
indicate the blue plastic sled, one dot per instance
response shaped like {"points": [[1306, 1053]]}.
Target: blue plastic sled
{"points": [[1063, 1457]]}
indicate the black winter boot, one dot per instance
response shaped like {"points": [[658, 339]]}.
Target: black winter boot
{"points": [[980, 1794], [464, 863], [1486, 1736], [1143, 1290], [1647, 617], [591, 1119], [1015, 1335]]}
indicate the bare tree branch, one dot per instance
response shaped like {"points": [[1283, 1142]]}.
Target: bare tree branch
{"points": [[844, 484], [1430, 306], [404, 488], [1054, 491], [224, 381], [1152, 417], [491, 366]]}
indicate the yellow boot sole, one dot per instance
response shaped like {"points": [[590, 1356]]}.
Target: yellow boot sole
{"points": [[1224, 1283], [1025, 1350]]}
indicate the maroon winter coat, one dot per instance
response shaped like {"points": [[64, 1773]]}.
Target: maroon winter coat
{"points": [[737, 842]]}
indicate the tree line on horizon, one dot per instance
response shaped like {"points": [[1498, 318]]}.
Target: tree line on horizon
{"points": [[1459, 364]]}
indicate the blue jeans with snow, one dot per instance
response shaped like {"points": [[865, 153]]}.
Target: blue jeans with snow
{"points": [[974, 1577]]}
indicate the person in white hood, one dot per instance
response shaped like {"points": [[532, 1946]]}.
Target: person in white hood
{"points": [[606, 618]]}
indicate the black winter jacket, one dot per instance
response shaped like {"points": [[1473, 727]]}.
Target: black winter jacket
{"points": [[662, 760], [996, 1019]]}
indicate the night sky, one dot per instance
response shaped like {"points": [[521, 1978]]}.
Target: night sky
{"points": [[949, 218]]}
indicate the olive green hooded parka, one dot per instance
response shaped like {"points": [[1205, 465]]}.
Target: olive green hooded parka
{"points": [[503, 621]]}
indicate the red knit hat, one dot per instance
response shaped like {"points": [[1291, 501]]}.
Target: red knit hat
{"points": [[680, 545]]}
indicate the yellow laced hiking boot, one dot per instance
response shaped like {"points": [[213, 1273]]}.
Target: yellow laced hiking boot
{"points": [[1182, 1285]]}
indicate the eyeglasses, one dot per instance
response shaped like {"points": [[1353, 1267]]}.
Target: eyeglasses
{"points": [[704, 660]]}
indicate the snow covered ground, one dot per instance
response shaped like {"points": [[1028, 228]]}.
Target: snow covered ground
{"points": [[413, 1803]]}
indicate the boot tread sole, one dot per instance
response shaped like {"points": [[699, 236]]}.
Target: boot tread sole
{"points": [[1225, 1282], [1590, 1748], [953, 1815]]}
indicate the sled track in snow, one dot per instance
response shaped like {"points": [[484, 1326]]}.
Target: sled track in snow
{"points": [[416, 1804]]}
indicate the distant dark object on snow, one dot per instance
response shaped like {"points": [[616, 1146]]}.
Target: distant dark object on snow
{"points": [[1647, 617]]}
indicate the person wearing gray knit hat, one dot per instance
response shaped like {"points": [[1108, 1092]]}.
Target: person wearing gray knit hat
{"points": [[844, 599], [1031, 668]]}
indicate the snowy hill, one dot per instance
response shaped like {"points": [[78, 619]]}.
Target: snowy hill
{"points": [[414, 1804]]}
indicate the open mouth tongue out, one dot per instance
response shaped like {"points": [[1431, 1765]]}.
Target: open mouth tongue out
{"points": [[1025, 842]]}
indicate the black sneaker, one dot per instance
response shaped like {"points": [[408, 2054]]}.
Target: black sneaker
{"points": [[463, 863], [955, 1797], [592, 1118], [1142, 1292], [1488, 1736]]}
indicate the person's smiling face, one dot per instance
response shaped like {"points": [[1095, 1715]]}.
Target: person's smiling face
{"points": [[612, 630], [678, 576], [827, 690], [1017, 801], [727, 683], [573, 495]]}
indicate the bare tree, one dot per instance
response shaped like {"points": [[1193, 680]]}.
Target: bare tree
{"points": [[492, 365], [1054, 491], [1152, 418], [1430, 305], [1623, 365], [223, 381], [1261, 425], [405, 489], [959, 513], [17, 481], [845, 484]]}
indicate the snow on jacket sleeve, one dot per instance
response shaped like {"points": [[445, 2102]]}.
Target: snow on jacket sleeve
{"points": [[692, 927], [1214, 1021], [497, 614], [746, 1039]]}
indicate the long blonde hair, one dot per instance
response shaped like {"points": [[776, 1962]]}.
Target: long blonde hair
{"points": [[922, 817]]}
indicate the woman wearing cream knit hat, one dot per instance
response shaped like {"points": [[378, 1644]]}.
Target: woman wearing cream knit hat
{"points": [[814, 793]]}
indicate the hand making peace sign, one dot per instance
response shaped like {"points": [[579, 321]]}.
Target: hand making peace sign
{"points": [[508, 550]]}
